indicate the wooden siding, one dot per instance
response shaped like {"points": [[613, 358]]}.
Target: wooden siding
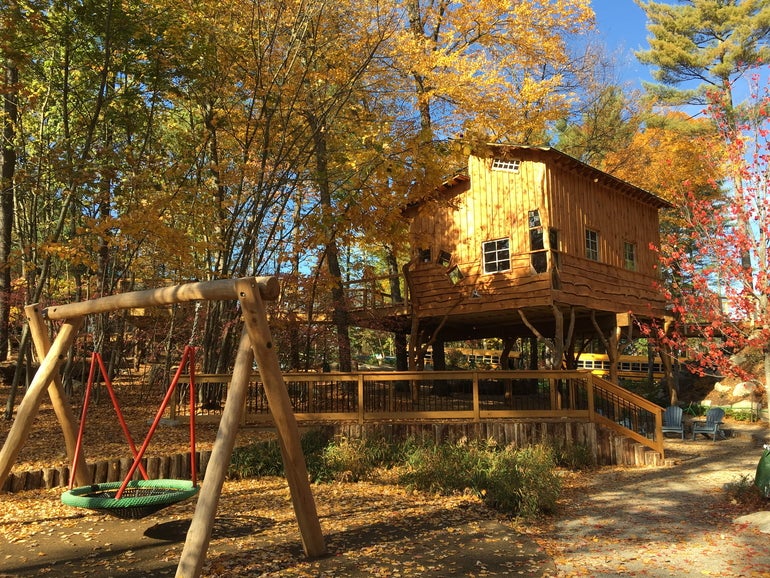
{"points": [[570, 198], [606, 288], [577, 203], [435, 295]]}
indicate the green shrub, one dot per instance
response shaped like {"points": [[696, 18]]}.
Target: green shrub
{"points": [[257, 459], [521, 482], [348, 460], [574, 457], [739, 414], [695, 409], [264, 458]]}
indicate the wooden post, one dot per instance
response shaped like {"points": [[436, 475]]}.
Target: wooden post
{"points": [[255, 320], [25, 414], [199, 535], [61, 406], [256, 342]]}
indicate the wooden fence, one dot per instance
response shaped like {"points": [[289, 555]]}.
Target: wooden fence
{"points": [[443, 396]]}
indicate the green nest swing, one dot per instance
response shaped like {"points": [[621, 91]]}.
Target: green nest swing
{"points": [[140, 498], [135, 499]]}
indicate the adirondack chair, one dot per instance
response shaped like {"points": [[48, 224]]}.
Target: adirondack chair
{"points": [[672, 421], [712, 426]]}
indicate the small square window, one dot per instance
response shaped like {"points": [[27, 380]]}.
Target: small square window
{"points": [[496, 255], [592, 245], [425, 256], [455, 275], [444, 258], [629, 256], [507, 165]]}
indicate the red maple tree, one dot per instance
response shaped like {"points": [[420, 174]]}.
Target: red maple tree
{"points": [[717, 274]]}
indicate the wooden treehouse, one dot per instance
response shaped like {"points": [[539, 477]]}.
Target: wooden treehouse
{"points": [[527, 242]]}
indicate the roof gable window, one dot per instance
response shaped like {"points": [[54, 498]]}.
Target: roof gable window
{"points": [[507, 165]]}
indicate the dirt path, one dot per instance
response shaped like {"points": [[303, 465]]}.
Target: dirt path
{"points": [[671, 521]]}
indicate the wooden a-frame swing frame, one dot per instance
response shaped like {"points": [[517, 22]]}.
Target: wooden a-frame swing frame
{"points": [[256, 343]]}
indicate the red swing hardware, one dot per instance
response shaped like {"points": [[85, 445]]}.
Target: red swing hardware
{"points": [[188, 358]]}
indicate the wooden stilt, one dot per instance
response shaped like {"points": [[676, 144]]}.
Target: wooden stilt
{"points": [[25, 414]]}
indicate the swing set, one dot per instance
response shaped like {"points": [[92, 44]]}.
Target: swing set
{"points": [[135, 498]]}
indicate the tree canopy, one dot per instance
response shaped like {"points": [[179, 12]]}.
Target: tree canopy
{"points": [[176, 141]]}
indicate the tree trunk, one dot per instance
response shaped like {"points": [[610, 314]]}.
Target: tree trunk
{"points": [[8, 151], [339, 303], [766, 351]]}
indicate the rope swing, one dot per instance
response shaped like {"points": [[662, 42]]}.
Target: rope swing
{"points": [[134, 499]]}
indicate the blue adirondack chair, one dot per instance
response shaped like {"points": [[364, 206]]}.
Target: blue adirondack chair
{"points": [[712, 426], [672, 421]]}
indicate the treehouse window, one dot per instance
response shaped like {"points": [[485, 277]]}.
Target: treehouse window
{"points": [[497, 255], [553, 242], [507, 165], [425, 255], [444, 258], [629, 256], [592, 245], [538, 258], [455, 275]]}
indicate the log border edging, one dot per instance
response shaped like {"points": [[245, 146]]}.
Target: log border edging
{"points": [[173, 466]]}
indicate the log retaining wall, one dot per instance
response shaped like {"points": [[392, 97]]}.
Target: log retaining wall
{"points": [[173, 467]]}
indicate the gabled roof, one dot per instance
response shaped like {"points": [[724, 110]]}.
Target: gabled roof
{"points": [[461, 177], [597, 175]]}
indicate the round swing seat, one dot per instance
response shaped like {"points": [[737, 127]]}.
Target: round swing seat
{"points": [[140, 498]]}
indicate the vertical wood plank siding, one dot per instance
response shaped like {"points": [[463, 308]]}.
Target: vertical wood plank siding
{"points": [[570, 199]]}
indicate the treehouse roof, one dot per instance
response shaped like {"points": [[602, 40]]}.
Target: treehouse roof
{"points": [[460, 181]]}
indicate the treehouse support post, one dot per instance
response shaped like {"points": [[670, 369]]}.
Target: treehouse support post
{"points": [[28, 408]]}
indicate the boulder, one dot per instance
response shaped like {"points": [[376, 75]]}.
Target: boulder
{"points": [[744, 389], [718, 386]]}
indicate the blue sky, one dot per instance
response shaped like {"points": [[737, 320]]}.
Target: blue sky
{"points": [[621, 25]]}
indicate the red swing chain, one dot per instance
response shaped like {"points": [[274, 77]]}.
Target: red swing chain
{"points": [[96, 359]]}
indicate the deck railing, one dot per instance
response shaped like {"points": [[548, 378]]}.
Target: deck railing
{"points": [[442, 396], [377, 293]]}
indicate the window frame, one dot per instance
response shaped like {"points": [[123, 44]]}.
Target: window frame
{"points": [[591, 245], [497, 251], [632, 263], [506, 165]]}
